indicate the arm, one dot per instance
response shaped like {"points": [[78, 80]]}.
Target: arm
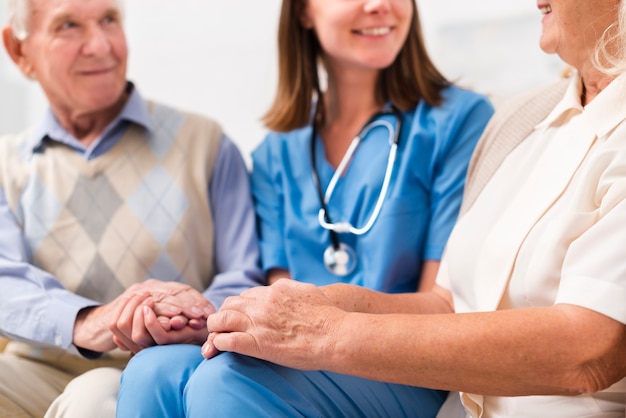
{"points": [[352, 298], [34, 306], [267, 191], [236, 242], [512, 352], [574, 346]]}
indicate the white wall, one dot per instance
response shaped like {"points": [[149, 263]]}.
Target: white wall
{"points": [[218, 57]]}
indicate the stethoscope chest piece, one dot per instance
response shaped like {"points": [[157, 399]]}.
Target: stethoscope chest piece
{"points": [[339, 258], [340, 261]]}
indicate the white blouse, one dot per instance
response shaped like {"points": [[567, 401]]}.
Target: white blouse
{"points": [[548, 228]]}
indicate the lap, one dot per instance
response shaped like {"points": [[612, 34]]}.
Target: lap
{"points": [[34, 388], [173, 381], [153, 382], [236, 385], [93, 393]]}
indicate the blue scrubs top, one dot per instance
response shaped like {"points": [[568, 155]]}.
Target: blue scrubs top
{"points": [[417, 216]]}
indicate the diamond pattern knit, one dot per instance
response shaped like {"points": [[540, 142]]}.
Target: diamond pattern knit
{"points": [[139, 211]]}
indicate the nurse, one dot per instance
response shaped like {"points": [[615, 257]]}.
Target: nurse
{"points": [[359, 181], [365, 212]]}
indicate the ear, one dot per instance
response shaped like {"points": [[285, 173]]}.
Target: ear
{"points": [[15, 49]]}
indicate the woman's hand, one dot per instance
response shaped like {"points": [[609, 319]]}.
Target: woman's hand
{"points": [[289, 323]]}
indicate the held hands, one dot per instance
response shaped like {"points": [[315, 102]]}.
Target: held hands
{"points": [[149, 313], [161, 313], [289, 323]]}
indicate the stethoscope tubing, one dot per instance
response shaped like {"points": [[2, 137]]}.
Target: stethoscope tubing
{"points": [[324, 197]]}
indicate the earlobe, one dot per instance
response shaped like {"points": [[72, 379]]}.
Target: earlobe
{"points": [[14, 48]]}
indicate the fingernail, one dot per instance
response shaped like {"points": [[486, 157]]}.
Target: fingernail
{"points": [[206, 348]]}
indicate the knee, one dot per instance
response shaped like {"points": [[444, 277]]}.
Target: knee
{"points": [[223, 371], [230, 385], [93, 393], [175, 362]]}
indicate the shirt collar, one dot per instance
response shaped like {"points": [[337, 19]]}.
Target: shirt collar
{"points": [[569, 104], [134, 111], [608, 108], [604, 112]]}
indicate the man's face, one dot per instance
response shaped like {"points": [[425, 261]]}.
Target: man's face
{"points": [[77, 51]]}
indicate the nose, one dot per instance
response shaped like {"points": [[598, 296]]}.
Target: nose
{"points": [[96, 41], [377, 6]]}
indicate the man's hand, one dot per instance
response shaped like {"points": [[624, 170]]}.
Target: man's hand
{"points": [[146, 314], [92, 327], [173, 313], [289, 323]]}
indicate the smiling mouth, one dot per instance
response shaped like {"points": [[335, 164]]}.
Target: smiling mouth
{"points": [[97, 71], [545, 9], [381, 31]]}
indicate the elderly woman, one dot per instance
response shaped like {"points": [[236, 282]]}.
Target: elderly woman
{"points": [[528, 315]]}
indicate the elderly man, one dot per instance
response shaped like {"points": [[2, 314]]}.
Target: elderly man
{"points": [[108, 191]]}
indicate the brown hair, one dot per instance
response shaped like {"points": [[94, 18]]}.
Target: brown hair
{"points": [[410, 78]]}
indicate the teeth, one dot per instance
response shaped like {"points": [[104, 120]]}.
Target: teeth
{"points": [[545, 9], [376, 31]]}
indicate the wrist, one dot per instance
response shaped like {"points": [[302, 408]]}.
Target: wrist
{"points": [[89, 336], [344, 296]]}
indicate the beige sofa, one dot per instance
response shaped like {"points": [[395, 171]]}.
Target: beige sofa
{"points": [[3, 343]]}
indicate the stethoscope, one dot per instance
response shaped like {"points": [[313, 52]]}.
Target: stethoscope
{"points": [[339, 258]]}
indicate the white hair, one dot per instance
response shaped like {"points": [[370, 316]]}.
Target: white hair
{"points": [[610, 53], [19, 13]]}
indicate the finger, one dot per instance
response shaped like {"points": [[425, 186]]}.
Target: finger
{"points": [[140, 336], [178, 322], [165, 322], [197, 323], [166, 309], [228, 321], [237, 342], [208, 348], [187, 306], [121, 318], [186, 335], [155, 326], [122, 328], [198, 309]]}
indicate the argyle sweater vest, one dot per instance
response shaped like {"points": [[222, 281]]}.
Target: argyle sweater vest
{"points": [[139, 211]]}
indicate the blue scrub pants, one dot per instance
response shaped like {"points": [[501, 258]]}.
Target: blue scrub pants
{"points": [[175, 381]]}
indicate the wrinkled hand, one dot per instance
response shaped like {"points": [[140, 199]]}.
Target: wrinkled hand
{"points": [[169, 312], [146, 314], [92, 328], [288, 323]]}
